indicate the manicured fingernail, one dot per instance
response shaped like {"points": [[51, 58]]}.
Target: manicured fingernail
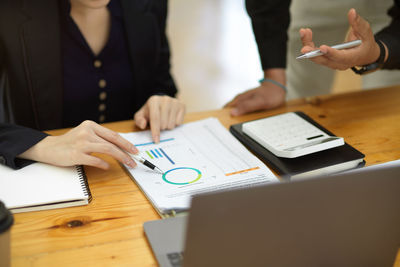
{"points": [[234, 112], [130, 163], [106, 166], [134, 150]]}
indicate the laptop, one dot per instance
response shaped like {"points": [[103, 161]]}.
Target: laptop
{"points": [[349, 219]]}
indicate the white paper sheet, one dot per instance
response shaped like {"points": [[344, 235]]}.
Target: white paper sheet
{"points": [[196, 157]]}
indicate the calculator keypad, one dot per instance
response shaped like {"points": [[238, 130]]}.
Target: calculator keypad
{"points": [[284, 131]]}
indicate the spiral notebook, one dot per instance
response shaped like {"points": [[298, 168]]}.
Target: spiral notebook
{"points": [[40, 187]]}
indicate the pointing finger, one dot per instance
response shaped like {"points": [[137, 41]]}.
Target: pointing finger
{"points": [[155, 120]]}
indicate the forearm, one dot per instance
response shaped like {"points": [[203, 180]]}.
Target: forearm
{"points": [[270, 20], [390, 36]]}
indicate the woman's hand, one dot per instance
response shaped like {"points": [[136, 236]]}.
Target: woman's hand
{"points": [[161, 112], [76, 146], [366, 53]]}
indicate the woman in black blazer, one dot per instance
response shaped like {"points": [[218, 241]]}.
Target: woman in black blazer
{"points": [[71, 62]]}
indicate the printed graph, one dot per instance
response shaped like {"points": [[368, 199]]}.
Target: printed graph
{"points": [[182, 176], [158, 153], [195, 157], [152, 143]]}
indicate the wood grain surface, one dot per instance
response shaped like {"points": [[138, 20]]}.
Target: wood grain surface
{"points": [[109, 232]]}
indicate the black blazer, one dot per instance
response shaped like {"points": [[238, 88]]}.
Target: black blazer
{"points": [[30, 53]]}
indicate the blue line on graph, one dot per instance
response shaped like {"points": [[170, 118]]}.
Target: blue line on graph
{"points": [[165, 154], [154, 154], [152, 143], [158, 153]]}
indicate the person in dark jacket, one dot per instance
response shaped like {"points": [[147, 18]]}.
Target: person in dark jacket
{"points": [[78, 63]]}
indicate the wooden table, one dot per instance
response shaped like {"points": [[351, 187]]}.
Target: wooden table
{"points": [[109, 232]]}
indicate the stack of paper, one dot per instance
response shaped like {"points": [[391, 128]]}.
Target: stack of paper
{"points": [[196, 158]]}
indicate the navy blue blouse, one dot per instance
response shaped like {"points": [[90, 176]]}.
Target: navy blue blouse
{"points": [[98, 88]]}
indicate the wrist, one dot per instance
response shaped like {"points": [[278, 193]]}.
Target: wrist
{"points": [[386, 52], [375, 54], [276, 74], [271, 81], [38, 151], [379, 57]]}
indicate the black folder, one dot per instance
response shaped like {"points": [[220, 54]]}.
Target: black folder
{"points": [[324, 162]]}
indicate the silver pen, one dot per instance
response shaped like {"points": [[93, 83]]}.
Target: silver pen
{"points": [[146, 163], [318, 52]]}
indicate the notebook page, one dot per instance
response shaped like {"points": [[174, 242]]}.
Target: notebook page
{"points": [[39, 184], [196, 157]]}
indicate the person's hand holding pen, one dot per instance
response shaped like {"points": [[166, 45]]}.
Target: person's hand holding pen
{"points": [[76, 147], [366, 53]]}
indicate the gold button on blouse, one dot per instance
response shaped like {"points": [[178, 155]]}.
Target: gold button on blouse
{"points": [[103, 96], [102, 118], [102, 83], [97, 63], [102, 107]]}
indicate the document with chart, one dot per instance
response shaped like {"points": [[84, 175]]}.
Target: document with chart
{"points": [[196, 157]]}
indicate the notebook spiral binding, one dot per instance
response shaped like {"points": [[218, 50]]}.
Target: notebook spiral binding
{"points": [[84, 182]]}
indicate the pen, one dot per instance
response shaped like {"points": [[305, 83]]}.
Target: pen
{"points": [[146, 163], [318, 52]]}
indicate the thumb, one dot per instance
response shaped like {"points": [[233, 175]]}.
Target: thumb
{"points": [[360, 26]]}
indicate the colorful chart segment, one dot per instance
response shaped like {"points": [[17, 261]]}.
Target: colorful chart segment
{"points": [[166, 155], [152, 143], [242, 171], [158, 153], [169, 175]]}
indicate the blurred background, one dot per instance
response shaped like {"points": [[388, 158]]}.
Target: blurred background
{"points": [[214, 54]]}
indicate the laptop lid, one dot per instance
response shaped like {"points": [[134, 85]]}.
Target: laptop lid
{"points": [[344, 220]]}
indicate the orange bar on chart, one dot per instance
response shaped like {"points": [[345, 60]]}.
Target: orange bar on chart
{"points": [[233, 173]]}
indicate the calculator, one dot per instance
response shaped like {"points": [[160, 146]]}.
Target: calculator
{"points": [[289, 135]]}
